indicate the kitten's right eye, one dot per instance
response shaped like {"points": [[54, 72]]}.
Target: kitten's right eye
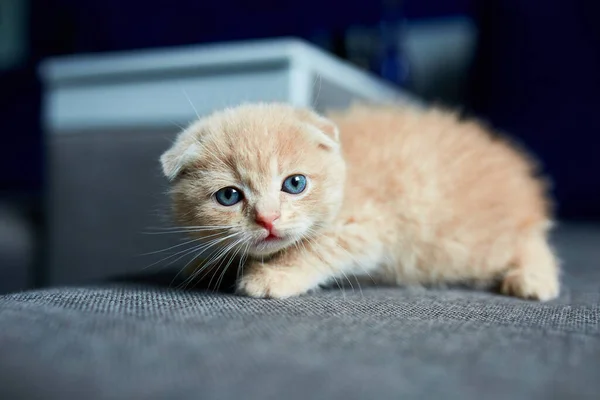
{"points": [[228, 196]]}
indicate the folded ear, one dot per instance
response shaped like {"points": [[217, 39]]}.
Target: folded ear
{"points": [[327, 127], [184, 152]]}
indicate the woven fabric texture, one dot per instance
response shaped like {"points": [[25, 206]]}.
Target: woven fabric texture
{"points": [[127, 341]]}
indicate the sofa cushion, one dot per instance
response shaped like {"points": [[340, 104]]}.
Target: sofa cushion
{"points": [[132, 341]]}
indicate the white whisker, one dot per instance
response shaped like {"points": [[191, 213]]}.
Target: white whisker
{"points": [[163, 231], [191, 104], [242, 262], [315, 249], [355, 260], [222, 256], [233, 256], [193, 227], [212, 258], [199, 247], [179, 245], [318, 79], [218, 262]]}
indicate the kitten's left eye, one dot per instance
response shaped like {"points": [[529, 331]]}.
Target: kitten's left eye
{"points": [[294, 184], [229, 196]]}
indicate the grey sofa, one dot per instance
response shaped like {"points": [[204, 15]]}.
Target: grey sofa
{"points": [[148, 341]]}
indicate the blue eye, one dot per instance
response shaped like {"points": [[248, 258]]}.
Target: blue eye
{"points": [[294, 184], [228, 196]]}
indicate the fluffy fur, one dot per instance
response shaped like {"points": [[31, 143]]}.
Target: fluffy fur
{"points": [[399, 195]]}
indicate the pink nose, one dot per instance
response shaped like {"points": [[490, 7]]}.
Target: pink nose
{"points": [[266, 220]]}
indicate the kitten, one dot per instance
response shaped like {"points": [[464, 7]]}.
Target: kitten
{"points": [[400, 195]]}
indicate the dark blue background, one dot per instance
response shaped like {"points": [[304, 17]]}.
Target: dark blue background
{"points": [[536, 73]]}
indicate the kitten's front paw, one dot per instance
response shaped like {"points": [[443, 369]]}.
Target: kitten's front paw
{"points": [[263, 281]]}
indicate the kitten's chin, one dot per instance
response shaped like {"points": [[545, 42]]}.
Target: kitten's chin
{"points": [[272, 244], [268, 247]]}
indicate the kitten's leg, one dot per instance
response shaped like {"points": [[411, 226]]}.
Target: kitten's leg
{"points": [[535, 274], [338, 255]]}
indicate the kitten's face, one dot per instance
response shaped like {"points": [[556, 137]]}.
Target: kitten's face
{"points": [[257, 178]]}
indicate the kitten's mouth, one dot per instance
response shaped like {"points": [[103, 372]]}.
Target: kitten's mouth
{"points": [[269, 244], [271, 238]]}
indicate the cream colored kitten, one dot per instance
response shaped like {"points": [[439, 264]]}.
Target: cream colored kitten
{"points": [[401, 195]]}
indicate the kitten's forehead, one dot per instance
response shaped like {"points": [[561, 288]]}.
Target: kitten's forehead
{"points": [[257, 143]]}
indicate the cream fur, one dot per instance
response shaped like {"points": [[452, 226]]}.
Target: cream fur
{"points": [[400, 195]]}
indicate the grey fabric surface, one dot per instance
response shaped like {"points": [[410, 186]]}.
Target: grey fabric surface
{"points": [[148, 342]]}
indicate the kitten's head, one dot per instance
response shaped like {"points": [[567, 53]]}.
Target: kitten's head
{"points": [[256, 178]]}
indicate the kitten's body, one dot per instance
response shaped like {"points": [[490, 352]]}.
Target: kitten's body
{"points": [[412, 197]]}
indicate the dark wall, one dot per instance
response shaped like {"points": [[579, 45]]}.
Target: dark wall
{"points": [[537, 76]]}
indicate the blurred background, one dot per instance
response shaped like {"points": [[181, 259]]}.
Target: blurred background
{"points": [[531, 68]]}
